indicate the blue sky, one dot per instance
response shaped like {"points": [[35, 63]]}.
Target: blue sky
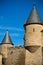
{"points": [[13, 14]]}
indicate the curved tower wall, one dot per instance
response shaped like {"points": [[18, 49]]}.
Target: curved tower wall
{"points": [[5, 49], [32, 35]]}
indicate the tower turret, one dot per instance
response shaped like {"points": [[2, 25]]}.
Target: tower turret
{"points": [[33, 26], [6, 43]]}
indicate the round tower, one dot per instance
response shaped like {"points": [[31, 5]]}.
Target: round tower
{"points": [[6, 43], [33, 27]]}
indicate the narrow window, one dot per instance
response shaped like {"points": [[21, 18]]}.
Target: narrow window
{"points": [[33, 30]]}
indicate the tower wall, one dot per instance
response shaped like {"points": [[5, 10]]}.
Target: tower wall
{"points": [[42, 38], [0, 59], [5, 49], [33, 35], [34, 58], [33, 44]]}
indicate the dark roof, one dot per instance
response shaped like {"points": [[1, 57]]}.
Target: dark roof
{"points": [[34, 17], [7, 39]]}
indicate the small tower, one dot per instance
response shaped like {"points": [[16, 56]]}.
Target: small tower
{"points": [[6, 43]]}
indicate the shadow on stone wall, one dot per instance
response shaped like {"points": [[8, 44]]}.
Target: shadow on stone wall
{"points": [[32, 49]]}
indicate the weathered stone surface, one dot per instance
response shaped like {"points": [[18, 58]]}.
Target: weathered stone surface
{"points": [[0, 59], [17, 57], [34, 58], [33, 37]]}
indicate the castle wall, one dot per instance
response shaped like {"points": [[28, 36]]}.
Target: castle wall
{"points": [[17, 57], [42, 55], [0, 59], [34, 58]]}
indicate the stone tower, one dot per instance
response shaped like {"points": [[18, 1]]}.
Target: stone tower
{"points": [[32, 39], [6, 43]]}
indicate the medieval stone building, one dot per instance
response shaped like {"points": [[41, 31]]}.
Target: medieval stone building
{"points": [[32, 52]]}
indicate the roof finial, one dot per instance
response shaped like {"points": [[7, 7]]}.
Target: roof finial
{"points": [[7, 29], [34, 3]]}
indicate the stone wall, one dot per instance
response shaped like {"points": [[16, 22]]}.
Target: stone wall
{"points": [[33, 34], [5, 49], [0, 59], [16, 57], [34, 58], [42, 55]]}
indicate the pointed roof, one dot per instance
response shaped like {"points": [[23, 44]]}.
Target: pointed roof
{"points": [[7, 39], [34, 17]]}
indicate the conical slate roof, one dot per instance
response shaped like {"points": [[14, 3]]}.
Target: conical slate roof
{"points": [[7, 39], [34, 17]]}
